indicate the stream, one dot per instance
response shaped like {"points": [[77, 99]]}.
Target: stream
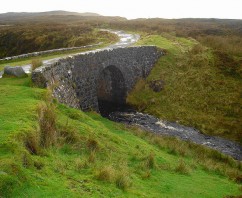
{"points": [[162, 127]]}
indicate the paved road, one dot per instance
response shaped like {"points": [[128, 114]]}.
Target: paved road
{"points": [[125, 40]]}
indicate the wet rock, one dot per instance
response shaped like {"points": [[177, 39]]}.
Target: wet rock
{"points": [[156, 85], [15, 71]]}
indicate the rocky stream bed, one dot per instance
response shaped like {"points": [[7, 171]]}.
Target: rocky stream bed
{"points": [[155, 125]]}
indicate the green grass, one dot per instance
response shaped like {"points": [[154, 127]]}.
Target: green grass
{"points": [[196, 92], [138, 164]]}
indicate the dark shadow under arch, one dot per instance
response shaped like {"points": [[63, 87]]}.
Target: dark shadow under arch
{"points": [[111, 90]]}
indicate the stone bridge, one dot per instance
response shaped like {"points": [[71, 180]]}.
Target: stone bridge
{"points": [[85, 80]]}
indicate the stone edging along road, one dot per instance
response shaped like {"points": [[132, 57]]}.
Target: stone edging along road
{"points": [[33, 54], [125, 40]]}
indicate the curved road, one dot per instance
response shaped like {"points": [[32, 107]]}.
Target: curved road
{"points": [[125, 40]]}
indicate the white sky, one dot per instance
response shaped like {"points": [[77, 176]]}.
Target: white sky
{"points": [[133, 8]]}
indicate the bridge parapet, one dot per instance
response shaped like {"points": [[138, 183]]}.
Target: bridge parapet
{"points": [[76, 79]]}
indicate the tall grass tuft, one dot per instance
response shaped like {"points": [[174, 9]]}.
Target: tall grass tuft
{"points": [[47, 120], [106, 173], [92, 144], [35, 63], [32, 143], [197, 49], [92, 157], [80, 164], [26, 160], [123, 180], [47, 124], [149, 162], [146, 174], [182, 168], [69, 134]]}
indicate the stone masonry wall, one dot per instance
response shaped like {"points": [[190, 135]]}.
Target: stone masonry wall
{"points": [[75, 78]]}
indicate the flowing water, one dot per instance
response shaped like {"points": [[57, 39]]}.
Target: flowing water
{"points": [[162, 127]]}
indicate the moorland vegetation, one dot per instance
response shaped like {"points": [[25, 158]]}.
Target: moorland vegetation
{"points": [[48, 149]]}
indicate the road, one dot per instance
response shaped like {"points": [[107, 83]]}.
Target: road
{"points": [[125, 40]]}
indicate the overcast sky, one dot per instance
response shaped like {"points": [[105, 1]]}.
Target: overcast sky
{"points": [[134, 8]]}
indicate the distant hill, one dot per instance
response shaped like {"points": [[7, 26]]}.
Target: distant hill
{"points": [[57, 12], [27, 16]]}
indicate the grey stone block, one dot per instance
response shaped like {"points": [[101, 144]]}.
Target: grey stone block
{"points": [[15, 71]]}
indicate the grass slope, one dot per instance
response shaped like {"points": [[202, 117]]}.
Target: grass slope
{"points": [[94, 157], [196, 92]]}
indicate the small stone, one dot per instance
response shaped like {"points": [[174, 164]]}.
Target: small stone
{"points": [[14, 71], [156, 85]]}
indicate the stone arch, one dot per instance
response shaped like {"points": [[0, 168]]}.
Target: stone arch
{"points": [[111, 89], [78, 75]]}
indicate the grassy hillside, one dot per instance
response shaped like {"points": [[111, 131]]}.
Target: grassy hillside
{"points": [[199, 89], [221, 34], [50, 150]]}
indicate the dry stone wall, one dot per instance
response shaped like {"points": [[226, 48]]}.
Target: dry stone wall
{"points": [[33, 54]]}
